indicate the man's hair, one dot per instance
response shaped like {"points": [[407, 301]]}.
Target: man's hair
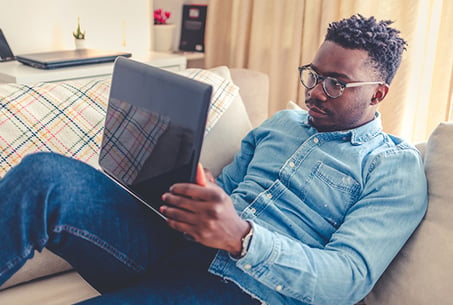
{"points": [[383, 44]]}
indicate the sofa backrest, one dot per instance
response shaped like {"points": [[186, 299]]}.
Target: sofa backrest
{"points": [[247, 110], [422, 273], [254, 90]]}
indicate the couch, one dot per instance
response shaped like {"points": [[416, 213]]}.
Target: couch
{"points": [[421, 273], [67, 117]]}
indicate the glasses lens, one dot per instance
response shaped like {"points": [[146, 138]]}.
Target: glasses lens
{"points": [[308, 78], [333, 87]]}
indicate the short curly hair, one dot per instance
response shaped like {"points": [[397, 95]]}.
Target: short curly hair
{"points": [[383, 43]]}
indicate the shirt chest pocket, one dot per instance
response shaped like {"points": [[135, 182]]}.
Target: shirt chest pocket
{"points": [[329, 192]]}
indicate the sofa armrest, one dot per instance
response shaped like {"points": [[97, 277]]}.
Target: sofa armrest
{"points": [[422, 272]]}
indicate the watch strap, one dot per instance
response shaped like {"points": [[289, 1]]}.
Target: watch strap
{"points": [[246, 240]]}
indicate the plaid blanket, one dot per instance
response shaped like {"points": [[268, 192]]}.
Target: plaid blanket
{"points": [[68, 117]]}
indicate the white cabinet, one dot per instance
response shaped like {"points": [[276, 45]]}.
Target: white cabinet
{"points": [[15, 72]]}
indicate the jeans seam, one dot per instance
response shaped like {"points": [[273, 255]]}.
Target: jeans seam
{"points": [[16, 260], [102, 244]]}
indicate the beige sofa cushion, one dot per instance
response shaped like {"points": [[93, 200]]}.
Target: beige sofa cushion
{"points": [[230, 128], [254, 90], [422, 273], [62, 289]]}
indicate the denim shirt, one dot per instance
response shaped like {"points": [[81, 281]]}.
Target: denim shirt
{"points": [[329, 210]]}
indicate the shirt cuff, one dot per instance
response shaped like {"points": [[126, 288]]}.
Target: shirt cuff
{"points": [[261, 247]]}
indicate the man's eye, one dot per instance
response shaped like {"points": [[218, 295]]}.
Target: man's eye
{"points": [[333, 82]]}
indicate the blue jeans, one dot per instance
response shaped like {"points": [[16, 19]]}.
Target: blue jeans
{"points": [[119, 246]]}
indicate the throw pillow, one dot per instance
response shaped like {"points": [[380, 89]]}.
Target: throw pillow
{"points": [[68, 117], [223, 141], [422, 273], [293, 106], [223, 92]]}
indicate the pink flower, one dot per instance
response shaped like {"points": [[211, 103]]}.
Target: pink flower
{"points": [[160, 16]]}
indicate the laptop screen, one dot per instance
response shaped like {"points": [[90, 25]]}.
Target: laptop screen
{"points": [[154, 128], [5, 51]]}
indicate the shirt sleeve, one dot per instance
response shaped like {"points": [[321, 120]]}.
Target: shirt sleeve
{"points": [[392, 204]]}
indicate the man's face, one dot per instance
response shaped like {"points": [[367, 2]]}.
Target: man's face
{"points": [[357, 105]]}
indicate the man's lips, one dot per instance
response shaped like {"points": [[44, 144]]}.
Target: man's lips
{"points": [[314, 111]]}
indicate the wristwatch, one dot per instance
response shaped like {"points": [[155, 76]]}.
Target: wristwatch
{"points": [[246, 240]]}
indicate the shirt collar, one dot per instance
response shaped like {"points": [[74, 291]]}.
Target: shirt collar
{"points": [[358, 135]]}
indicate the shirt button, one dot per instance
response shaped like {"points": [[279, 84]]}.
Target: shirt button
{"points": [[292, 164], [316, 140], [308, 299], [279, 288], [346, 180], [269, 196], [247, 267], [252, 210]]}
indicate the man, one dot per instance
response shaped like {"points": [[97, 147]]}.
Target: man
{"points": [[311, 211]]}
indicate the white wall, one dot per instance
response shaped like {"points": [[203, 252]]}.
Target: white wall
{"points": [[35, 26]]}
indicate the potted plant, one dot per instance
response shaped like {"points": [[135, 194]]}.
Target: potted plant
{"points": [[163, 31], [161, 16], [79, 36]]}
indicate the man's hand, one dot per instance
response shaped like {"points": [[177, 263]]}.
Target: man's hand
{"points": [[207, 214]]}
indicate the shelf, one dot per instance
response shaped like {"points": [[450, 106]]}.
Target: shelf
{"points": [[16, 72]]}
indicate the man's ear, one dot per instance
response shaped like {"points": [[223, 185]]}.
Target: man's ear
{"points": [[380, 94]]}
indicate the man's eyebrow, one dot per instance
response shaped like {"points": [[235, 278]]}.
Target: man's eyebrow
{"points": [[331, 74]]}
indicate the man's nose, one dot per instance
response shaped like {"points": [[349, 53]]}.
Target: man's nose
{"points": [[317, 92]]}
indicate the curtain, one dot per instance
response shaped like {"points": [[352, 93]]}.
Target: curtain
{"points": [[277, 36]]}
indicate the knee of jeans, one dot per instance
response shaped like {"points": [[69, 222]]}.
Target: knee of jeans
{"points": [[41, 160], [43, 165]]}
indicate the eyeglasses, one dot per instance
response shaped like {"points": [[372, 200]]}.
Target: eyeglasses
{"points": [[332, 87]]}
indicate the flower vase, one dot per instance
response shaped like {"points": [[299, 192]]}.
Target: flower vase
{"points": [[80, 44], [163, 37]]}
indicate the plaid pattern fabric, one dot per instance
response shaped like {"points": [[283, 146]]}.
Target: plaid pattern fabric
{"points": [[223, 93], [68, 117], [130, 137]]}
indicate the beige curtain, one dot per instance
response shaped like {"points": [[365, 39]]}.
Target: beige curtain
{"points": [[277, 36]]}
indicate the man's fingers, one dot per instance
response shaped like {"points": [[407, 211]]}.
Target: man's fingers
{"points": [[181, 202], [178, 214], [194, 191]]}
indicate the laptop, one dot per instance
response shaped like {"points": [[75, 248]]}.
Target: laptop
{"points": [[5, 51], [69, 58], [153, 131]]}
